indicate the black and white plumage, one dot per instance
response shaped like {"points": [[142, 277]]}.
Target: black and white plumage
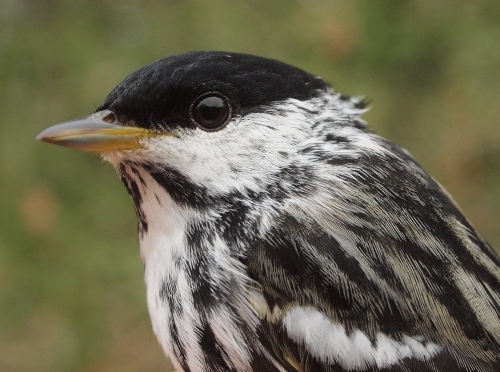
{"points": [[280, 234]]}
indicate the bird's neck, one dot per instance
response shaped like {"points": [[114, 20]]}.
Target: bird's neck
{"points": [[195, 279]]}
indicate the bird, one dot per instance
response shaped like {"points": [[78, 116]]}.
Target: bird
{"points": [[280, 233]]}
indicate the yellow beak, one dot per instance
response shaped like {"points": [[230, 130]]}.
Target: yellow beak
{"points": [[98, 132]]}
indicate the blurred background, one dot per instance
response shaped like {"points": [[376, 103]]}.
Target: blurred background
{"points": [[72, 296]]}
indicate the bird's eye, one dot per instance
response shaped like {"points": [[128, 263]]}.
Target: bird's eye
{"points": [[211, 111]]}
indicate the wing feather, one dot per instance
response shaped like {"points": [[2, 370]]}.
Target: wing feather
{"points": [[385, 257]]}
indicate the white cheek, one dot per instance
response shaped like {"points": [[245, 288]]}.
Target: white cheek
{"points": [[238, 157]]}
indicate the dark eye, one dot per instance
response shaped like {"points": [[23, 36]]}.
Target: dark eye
{"points": [[211, 111]]}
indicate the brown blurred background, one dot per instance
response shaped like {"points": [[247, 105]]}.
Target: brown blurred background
{"points": [[72, 296]]}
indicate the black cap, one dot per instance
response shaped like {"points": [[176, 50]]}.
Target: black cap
{"points": [[159, 95]]}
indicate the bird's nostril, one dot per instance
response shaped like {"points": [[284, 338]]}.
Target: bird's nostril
{"points": [[110, 118]]}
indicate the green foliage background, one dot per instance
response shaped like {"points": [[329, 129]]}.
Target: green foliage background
{"points": [[71, 290]]}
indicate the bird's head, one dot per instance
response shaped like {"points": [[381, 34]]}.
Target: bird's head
{"points": [[220, 122]]}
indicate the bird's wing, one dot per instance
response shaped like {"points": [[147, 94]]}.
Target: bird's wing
{"points": [[359, 277]]}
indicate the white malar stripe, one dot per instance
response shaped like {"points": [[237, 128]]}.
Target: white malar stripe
{"points": [[329, 342]]}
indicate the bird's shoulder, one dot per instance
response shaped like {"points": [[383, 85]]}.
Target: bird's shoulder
{"points": [[342, 286]]}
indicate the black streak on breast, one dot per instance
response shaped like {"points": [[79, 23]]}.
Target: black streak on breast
{"points": [[134, 191]]}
